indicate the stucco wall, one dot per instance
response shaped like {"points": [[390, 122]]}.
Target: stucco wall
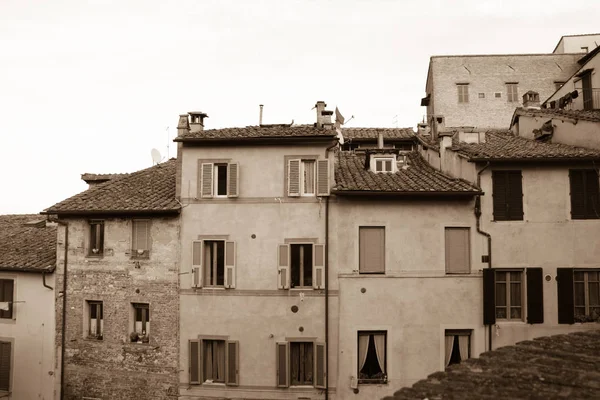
{"points": [[573, 44], [566, 130], [31, 332], [114, 368], [575, 83]]}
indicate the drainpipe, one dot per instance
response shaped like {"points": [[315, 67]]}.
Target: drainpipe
{"points": [[44, 281], [484, 233]]}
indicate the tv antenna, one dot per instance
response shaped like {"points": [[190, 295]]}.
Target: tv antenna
{"points": [[156, 158]]}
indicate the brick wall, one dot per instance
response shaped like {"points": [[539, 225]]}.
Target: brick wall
{"points": [[115, 368]]}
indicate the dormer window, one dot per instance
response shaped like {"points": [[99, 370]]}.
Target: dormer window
{"points": [[384, 164]]}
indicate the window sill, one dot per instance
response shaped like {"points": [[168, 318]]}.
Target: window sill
{"points": [[218, 384], [372, 382], [93, 339], [12, 320], [94, 257], [510, 322]]}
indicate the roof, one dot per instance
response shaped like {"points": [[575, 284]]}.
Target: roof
{"points": [[504, 146], [561, 366], [258, 133], [507, 55], [583, 115], [151, 190], [98, 178], [27, 248], [418, 179], [360, 134]]}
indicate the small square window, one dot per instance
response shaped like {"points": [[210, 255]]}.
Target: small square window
{"points": [[481, 95], [498, 95], [457, 346], [96, 245], [384, 164], [141, 323], [95, 320]]}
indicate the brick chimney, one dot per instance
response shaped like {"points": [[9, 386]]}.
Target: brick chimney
{"points": [[183, 126], [531, 99], [197, 121], [322, 119]]}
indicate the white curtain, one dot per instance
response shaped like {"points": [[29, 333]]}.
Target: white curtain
{"points": [[363, 347], [380, 349], [208, 364], [463, 346], [449, 347], [219, 360]]}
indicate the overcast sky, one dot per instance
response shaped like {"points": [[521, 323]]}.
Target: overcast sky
{"points": [[93, 86]]}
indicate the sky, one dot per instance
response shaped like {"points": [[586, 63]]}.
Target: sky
{"points": [[93, 86]]}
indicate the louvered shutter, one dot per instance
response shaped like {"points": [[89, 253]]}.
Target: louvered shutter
{"points": [[499, 192], [566, 306], [233, 179], [229, 264], [577, 194], [320, 362], [592, 192], [322, 177], [197, 263], [535, 296], [515, 195], [319, 266], [141, 236], [489, 297], [282, 360], [200, 360], [232, 354], [194, 362], [458, 254], [5, 356], [293, 173], [206, 185], [283, 266]]}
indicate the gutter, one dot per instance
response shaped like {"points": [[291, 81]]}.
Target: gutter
{"points": [[44, 281]]}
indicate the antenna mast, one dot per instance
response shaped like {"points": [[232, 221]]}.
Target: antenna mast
{"points": [[167, 129]]}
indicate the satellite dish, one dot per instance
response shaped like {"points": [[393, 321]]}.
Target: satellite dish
{"points": [[156, 158]]}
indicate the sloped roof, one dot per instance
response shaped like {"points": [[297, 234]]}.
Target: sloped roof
{"points": [[504, 146], [151, 190], [358, 134], [561, 366], [584, 115], [258, 132], [418, 179], [27, 248], [99, 178]]}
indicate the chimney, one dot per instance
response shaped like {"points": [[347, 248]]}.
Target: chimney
{"points": [[197, 121], [260, 115], [320, 106], [183, 126], [423, 128], [531, 99], [326, 114], [380, 140]]}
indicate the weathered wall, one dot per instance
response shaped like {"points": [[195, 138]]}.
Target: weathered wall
{"points": [[573, 44], [566, 130], [114, 368], [575, 83], [31, 331]]}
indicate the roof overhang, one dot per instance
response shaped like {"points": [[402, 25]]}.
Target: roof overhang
{"points": [[271, 140], [378, 193], [108, 213], [544, 160], [49, 269]]}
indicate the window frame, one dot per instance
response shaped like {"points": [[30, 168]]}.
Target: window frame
{"points": [[4, 297], [146, 326], [373, 227], [312, 263], [205, 244], [384, 380], [291, 343], [456, 333], [208, 169], [216, 179], [303, 162], [135, 253], [508, 306], [99, 307], [283, 351], [463, 93], [587, 315], [512, 92], [384, 162], [200, 379], [93, 239]]}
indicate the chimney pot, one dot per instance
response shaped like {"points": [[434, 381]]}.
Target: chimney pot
{"points": [[320, 106], [197, 121], [260, 115], [183, 126], [380, 140], [531, 99]]}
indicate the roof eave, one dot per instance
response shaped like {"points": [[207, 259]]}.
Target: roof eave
{"points": [[48, 269], [66, 213], [260, 140], [533, 159], [470, 193]]}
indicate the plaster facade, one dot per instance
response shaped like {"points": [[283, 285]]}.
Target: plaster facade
{"points": [[574, 83], [577, 43], [567, 130]]}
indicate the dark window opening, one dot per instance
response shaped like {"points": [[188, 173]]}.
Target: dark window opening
{"points": [[6, 296], [302, 265], [221, 179], [585, 194], [372, 357], [214, 262], [458, 346], [301, 363], [507, 194], [96, 321], [213, 352], [141, 323], [96, 238]]}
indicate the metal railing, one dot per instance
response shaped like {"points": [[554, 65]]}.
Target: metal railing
{"points": [[590, 98]]}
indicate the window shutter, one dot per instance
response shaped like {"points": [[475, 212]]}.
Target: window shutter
{"points": [[141, 235], [515, 195], [489, 296], [535, 296], [566, 306], [233, 179], [283, 263], [197, 263], [458, 254], [320, 360], [194, 354], [322, 177], [293, 178], [200, 360], [5, 349], [282, 359], [499, 191], [592, 193], [206, 186], [230, 265], [232, 355], [371, 250], [577, 194], [7, 290], [319, 266]]}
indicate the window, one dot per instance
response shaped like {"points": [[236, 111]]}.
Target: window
{"points": [[509, 295], [512, 94], [372, 357], [585, 194], [384, 164], [498, 95], [218, 179], [213, 263], [6, 298], [140, 239], [587, 295], [141, 323], [96, 238], [481, 95], [5, 365], [214, 361], [301, 265], [463, 92], [457, 346], [307, 177], [588, 91], [507, 195], [458, 251], [300, 363], [371, 249], [96, 320], [585, 49], [557, 85]]}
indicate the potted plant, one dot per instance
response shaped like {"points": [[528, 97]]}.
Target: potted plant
{"points": [[134, 337]]}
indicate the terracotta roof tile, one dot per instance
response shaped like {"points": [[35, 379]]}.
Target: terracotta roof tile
{"points": [[149, 190], [258, 132], [98, 178], [373, 133], [583, 115], [30, 248], [418, 179]]}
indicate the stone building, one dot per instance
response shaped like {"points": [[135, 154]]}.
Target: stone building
{"points": [[117, 287], [27, 289]]}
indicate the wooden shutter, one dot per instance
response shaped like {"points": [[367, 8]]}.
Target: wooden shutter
{"points": [[206, 184], [141, 236], [232, 355], [5, 364], [566, 306], [592, 194], [283, 266], [293, 172], [535, 296], [515, 195], [458, 253], [229, 264], [194, 362], [320, 363], [319, 266], [371, 249], [577, 194], [8, 296], [233, 179], [197, 247], [499, 192], [489, 296], [282, 360], [322, 177]]}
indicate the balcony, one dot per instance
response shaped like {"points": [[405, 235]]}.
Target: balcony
{"points": [[587, 99]]}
